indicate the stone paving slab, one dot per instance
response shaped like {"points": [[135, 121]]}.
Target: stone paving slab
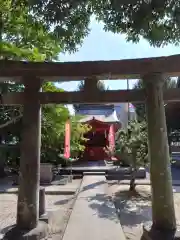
{"points": [[94, 215], [68, 189], [55, 190], [147, 182]]}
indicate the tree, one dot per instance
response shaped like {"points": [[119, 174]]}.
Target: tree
{"points": [[172, 114], [52, 127], [39, 30], [50, 24], [9, 133], [28, 33], [140, 107], [78, 131], [100, 85], [157, 21], [132, 145], [23, 36], [54, 118]]}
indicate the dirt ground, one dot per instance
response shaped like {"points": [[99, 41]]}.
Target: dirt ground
{"points": [[135, 210], [58, 207]]}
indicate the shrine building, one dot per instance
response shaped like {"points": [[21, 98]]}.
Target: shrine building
{"points": [[105, 120]]}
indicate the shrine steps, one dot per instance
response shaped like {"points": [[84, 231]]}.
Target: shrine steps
{"points": [[94, 173], [111, 173]]}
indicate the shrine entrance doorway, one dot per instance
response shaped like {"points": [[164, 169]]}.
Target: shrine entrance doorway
{"points": [[98, 139]]}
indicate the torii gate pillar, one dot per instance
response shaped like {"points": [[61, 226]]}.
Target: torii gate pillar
{"points": [[28, 197], [163, 214]]}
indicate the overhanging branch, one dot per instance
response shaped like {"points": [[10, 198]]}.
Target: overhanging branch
{"points": [[12, 121]]}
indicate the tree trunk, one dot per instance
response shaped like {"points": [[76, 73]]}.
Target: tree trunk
{"points": [[28, 197], [2, 169], [163, 213], [2, 163], [132, 182]]}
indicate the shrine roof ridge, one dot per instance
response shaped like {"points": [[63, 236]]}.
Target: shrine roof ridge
{"points": [[113, 69], [95, 106]]}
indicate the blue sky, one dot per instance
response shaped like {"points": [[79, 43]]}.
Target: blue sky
{"points": [[101, 45]]}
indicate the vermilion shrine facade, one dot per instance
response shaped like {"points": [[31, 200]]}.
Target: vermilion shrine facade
{"points": [[104, 124]]}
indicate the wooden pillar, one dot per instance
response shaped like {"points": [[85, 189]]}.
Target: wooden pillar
{"points": [[163, 214], [90, 85], [28, 197]]}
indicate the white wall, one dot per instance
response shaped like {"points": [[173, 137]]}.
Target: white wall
{"points": [[122, 113]]}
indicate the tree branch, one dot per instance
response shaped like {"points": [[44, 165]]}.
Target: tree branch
{"points": [[12, 121]]}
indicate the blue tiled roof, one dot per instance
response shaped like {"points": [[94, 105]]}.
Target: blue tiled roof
{"points": [[103, 113]]}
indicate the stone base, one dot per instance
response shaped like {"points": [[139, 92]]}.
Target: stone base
{"points": [[46, 174], [78, 176], [70, 178], [151, 233], [40, 232], [44, 218]]}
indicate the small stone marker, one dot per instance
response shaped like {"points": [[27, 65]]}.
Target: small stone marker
{"points": [[42, 205]]}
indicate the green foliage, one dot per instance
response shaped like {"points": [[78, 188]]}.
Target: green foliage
{"points": [[132, 147], [78, 131], [140, 107], [9, 115], [157, 21], [173, 114], [100, 85], [68, 20], [131, 143], [30, 30], [54, 118], [53, 122], [23, 35], [39, 30]]}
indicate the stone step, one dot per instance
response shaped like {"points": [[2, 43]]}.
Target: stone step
{"points": [[117, 177], [94, 173]]}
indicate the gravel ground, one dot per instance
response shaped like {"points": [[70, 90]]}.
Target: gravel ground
{"points": [[58, 207], [135, 210]]}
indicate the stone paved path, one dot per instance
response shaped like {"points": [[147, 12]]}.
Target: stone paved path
{"points": [[94, 215]]}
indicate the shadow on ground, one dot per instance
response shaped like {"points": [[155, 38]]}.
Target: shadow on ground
{"points": [[93, 185], [103, 206], [64, 201], [85, 188], [7, 183], [133, 209]]}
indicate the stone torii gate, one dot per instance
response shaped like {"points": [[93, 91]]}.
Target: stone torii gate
{"points": [[151, 70]]}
